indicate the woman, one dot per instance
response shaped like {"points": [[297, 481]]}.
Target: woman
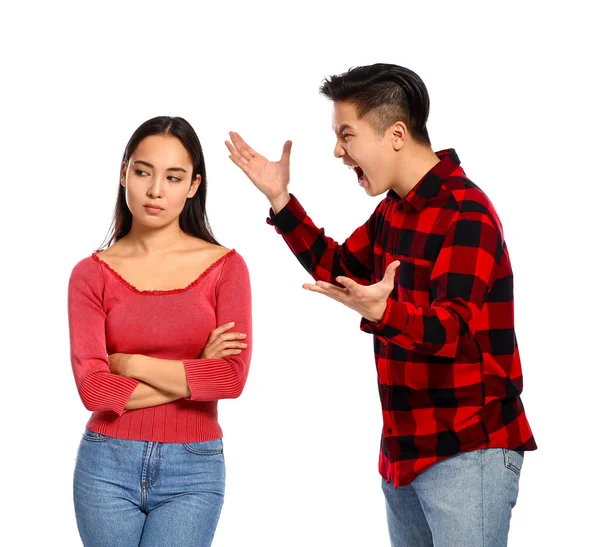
{"points": [[152, 350]]}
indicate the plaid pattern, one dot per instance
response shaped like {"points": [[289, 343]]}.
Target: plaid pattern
{"points": [[448, 364]]}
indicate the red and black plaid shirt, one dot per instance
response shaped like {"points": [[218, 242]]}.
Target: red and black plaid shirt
{"points": [[447, 359]]}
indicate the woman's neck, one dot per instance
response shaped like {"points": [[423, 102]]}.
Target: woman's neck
{"points": [[143, 240]]}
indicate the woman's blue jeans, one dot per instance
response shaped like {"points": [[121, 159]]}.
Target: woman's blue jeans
{"points": [[147, 494]]}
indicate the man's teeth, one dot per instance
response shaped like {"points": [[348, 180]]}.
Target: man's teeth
{"points": [[359, 172]]}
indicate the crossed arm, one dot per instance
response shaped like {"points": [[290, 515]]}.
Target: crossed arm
{"points": [[164, 380], [160, 380], [146, 395], [121, 382]]}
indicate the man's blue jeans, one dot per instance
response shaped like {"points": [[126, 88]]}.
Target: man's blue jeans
{"points": [[463, 501]]}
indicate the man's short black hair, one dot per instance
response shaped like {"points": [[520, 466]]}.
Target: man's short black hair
{"points": [[384, 94]]}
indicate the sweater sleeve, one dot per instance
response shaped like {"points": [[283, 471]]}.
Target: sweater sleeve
{"points": [[213, 379], [98, 388]]}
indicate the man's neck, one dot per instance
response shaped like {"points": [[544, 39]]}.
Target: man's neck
{"points": [[414, 165]]}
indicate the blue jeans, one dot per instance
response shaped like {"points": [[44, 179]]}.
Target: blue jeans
{"points": [[465, 500], [141, 493]]}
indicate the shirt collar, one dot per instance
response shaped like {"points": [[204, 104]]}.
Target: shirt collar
{"points": [[433, 180]]}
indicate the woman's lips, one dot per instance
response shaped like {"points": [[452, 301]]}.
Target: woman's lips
{"points": [[153, 210]]}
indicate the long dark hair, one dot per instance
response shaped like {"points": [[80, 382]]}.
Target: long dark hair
{"points": [[385, 93], [193, 219]]}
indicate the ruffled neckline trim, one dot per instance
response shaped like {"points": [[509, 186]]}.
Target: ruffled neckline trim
{"points": [[159, 292]]}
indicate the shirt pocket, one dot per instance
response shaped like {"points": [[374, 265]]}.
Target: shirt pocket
{"points": [[414, 280]]}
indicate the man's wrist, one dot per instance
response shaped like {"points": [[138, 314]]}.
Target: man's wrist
{"points": [[376, 314], [278, 203]]}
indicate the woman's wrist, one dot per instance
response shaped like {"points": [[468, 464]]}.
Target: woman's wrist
{"points": [[134, 366]]}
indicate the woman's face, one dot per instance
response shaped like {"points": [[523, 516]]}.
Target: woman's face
{"points": [[158, 180]]}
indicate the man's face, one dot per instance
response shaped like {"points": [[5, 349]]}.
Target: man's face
{"points": [[360, 148]]}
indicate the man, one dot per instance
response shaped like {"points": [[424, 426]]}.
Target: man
{"points": [[431, 276]]}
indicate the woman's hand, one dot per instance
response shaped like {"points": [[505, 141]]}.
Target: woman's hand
{"points": [[223, 344]]}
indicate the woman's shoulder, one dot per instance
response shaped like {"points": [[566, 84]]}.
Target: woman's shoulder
{"points": [[89, 263], [215, 250], [234, 266], [87, 270], [229, 261], [90, 267]]}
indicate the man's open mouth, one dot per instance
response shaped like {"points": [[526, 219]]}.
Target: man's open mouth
{"points": [[359, 173]]}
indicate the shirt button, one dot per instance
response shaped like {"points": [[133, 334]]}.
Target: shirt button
{"points": [[384, 387], [390, 430]]}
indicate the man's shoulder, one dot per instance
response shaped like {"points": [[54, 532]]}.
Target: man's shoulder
{"points": [[469, 197]]}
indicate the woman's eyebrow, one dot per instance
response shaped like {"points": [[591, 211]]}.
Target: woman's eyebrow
{"points": [[148, 164]]}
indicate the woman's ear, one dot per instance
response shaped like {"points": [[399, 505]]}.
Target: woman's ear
{"points": [[123, 172], [194, 186]]}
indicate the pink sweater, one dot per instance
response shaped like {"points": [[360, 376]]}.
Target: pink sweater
{"points": [[108, 315]]}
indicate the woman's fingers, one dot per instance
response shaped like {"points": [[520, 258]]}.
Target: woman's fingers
{"points": [[219, 331], [232, 336], [222, 343], [230, 345], [228, 352], [226, 337]]}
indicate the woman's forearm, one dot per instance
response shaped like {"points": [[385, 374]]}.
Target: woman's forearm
{"points": [[164, 374], [144, 396]]}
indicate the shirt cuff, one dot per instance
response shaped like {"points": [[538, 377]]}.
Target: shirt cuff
{"points": [[289, 218], [391, 324]]}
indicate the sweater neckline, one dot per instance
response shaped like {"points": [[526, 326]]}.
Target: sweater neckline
{"points": [[160, 292]]}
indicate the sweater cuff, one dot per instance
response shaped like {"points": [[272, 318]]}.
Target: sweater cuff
{"points": [[209, 380], [125, 394], [108, 391], [289, 218]]}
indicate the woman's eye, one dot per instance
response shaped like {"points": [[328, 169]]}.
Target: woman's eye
{"points": [[346, 135], [174, 179], [141, 173]]}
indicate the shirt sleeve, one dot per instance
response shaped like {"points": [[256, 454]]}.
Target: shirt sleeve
{"points": [[322, 257], [461, 278], [213, 379], [98, 388]]}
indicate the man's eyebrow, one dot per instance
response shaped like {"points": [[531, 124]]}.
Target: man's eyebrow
{"points": [[148, 164], [343, 127]]}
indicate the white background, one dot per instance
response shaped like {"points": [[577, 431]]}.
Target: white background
{"points": [[513, 89]]}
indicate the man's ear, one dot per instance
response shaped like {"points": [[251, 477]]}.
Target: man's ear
{"points": [[399, 134]]}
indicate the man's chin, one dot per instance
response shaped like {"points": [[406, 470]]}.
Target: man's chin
{"points": [[372, 192]]}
